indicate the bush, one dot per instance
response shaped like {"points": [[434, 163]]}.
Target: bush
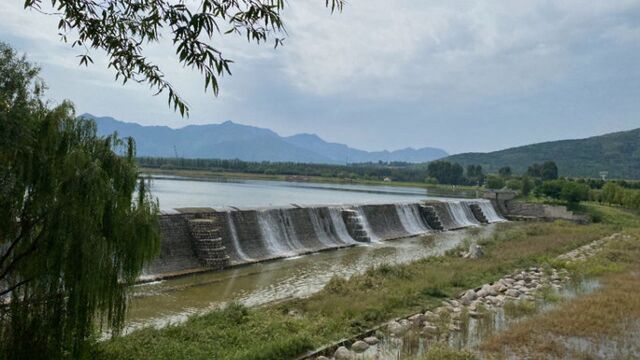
{"points": [[494, 182]]}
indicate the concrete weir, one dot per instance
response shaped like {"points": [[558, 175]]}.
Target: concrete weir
{"points": [[203, 239]]}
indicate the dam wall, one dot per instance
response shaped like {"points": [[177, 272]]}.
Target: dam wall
{"points": [[200, 239]]}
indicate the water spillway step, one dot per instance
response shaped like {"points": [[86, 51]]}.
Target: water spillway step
{"points": [[355, 227], [430, 216], [208, 244], [478, 213]]}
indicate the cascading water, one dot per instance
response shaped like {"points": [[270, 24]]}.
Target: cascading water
{"points": [[365, 223], [411, 220], [234, 239], [461, 214], [489, 211], [276, 240], [339, 226], [322, 228]]}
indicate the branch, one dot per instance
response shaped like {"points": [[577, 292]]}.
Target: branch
{"points": [[10, 289]]}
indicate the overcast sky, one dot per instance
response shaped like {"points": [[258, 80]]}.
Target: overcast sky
{"points": [[460, 75]]}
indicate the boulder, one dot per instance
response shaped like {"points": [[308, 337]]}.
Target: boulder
{"points": [[468, 297], [475, 251], [429, 330], [512, 293], [371, 340], [417, 319], [359, 346], [430, 316], [343, 354]]}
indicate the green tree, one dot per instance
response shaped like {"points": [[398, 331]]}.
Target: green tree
{"points": [[446, 172], [494, 182], [573, 192], [527, 185], [123, 28], [549, 170], [73, 236], [505, 171]]}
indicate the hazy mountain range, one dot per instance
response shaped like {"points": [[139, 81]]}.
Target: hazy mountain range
{"points": [[230, 140], [616, 153]]}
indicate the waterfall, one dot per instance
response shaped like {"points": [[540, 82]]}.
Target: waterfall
{"points": [[234, 238], [365, 224], [489, 211], [322, 228], [340, 228], [272, 234], [411, 219], [461, 214]]}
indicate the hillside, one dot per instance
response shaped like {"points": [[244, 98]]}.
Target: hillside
{"points": [[230, 140], [618, 153]]}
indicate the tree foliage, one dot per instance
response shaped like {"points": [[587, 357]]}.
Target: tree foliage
{"points": [[446, 172], [545, 171], [72, 234], [123, 28]]}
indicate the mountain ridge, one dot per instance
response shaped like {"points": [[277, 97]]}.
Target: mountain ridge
{"points": [[230, 140], [617, 153]]}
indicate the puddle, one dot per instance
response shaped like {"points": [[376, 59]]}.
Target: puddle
{"points": [[485, 323]]}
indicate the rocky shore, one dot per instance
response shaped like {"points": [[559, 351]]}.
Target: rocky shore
{"points": [[438, 324]]}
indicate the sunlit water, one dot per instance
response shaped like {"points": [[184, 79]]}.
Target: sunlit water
{"points": [[176, 192], [174, 300]]}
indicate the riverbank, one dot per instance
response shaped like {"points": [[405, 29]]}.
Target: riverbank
{"points": [[345, 308]]}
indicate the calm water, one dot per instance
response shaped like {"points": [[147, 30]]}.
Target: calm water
{"points": [[176, 192], [173, 300]]}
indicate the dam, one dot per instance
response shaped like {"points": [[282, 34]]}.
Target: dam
{"points": [[205, 239], [249, 248]]}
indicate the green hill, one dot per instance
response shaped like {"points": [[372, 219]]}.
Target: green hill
{"points": [[618, 153]]}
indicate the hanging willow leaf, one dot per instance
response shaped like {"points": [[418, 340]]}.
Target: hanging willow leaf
{"points": [[123, 27]]}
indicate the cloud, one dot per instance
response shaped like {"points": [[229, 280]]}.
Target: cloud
{"points": [[403, 49]]}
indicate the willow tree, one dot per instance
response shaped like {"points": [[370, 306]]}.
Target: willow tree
{"points": [[76, 224], [123, 28]]}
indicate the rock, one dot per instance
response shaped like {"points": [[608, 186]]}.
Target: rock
{"points": [[396, 329], [475, 314], [371, 340], [322, 358], [430, 316], [430, 330], [359, 346], [417, 319], [343, 354], [482, 293], [508, 281], [512, 293], [468, 297], [475, 251]]}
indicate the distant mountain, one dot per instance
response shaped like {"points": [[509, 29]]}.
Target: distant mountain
{"points": [[617, 153], [235, 141]]}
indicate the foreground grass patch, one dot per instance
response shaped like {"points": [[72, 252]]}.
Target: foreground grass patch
{"points": [[606, 321], [346, 307]]}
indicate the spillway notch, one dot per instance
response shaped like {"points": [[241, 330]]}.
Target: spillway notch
{"points": [[430, 216], [207, 243], [478, 213]]}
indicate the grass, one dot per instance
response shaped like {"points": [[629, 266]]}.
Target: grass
{"points": [[606, 320], [346, 307]]}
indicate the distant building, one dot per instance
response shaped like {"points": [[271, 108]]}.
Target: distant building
{"points": [[387, 179]]}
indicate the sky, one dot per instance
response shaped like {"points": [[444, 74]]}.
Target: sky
{"points": [[458, 75]]}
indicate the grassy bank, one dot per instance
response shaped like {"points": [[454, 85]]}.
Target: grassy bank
{"points": [[346, 307], [605, 322]]}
